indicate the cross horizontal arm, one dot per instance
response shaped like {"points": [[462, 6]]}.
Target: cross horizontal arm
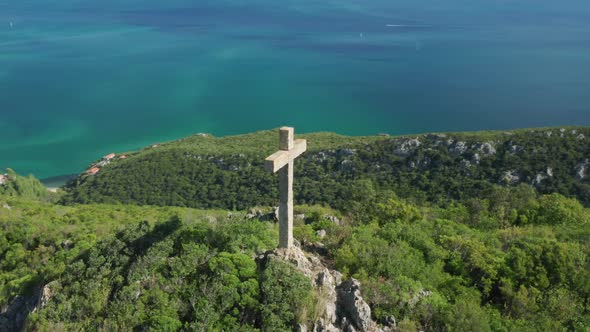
{"points": [[281, 158]]}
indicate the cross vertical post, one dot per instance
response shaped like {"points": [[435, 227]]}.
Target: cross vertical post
{"points": [[283, 161]]}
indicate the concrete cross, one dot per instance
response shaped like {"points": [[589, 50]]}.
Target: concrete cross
{"points": [[282, 161]]}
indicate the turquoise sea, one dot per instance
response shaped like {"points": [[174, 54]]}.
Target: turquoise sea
{"points": [[81, 78]]}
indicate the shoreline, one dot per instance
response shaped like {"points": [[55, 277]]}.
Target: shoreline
{"points": [[58, 181]]}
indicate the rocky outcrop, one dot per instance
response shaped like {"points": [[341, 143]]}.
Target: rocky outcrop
{"points": [[511, 177], [45, 295], [582, 170], [476, 159], [14, 315], [458, 148], [513, 148], [540, 177], [407, 146], [486, 148], [343, 306], [258, 214], [335, 220], [353, 309]]}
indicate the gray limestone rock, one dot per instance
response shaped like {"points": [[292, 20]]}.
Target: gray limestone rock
{"points": [[300, 216], [353, 306], [540, 177], [333, 219], [407, 146], [389, 321], [14, 315], [458, 148], [324, 279], [486, 148], [45, 295], [301, 328], [513, 148], [465, 164], [475, 159], [582, 170], [511, 177], [343, 308]]}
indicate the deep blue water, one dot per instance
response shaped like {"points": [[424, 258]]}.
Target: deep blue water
{"points": [[79, 79]]}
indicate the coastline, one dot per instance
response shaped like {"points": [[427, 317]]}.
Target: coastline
{"points": [[60, 180]]}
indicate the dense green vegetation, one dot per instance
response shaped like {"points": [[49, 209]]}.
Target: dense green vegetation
{"points": [[207, 172], [30, 187], [512, 261], [439, 244], [178, 268]]}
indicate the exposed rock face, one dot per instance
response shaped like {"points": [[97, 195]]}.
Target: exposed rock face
{"points": [[486, 148], [258, 214], [458, 148], [581, 137], [322, 278], [511, 177], [333, 219], [513, 148], [344, 308], [407, 147], [582, 170], [45, 295], [12, 317], [353, 306], [476, 159], [540, 177]]}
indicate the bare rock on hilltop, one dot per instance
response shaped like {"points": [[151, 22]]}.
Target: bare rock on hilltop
{"points": [[353, 308], [343, 306]]}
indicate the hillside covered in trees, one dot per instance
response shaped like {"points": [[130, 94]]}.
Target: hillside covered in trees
{"points": [[439, 238], [206, 172]]}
